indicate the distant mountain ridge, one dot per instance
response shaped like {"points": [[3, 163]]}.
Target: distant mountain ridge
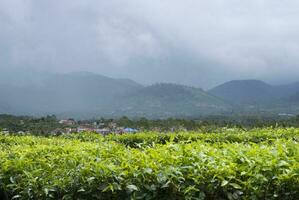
{"points": [[168, 100], [61, 93], [246, 92], [87, 95], [92, 95]]}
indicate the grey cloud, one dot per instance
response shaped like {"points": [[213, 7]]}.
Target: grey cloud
{"points": [[193, 42]]}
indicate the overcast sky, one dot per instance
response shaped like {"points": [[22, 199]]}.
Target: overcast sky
{"points": [[194, 42]]}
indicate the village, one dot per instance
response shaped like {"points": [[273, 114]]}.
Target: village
{"points": [[104, 128], [51, 125]]}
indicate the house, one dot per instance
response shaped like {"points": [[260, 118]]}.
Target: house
{"points": [[103, 131], [68, 122], [130, 130], [112, 125], [286, 115], [21, 133], [5, 131], [70, 130], [57, 131], [85, 128]]}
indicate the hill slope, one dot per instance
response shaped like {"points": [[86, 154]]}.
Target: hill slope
{"points": [[168, 100], [75, 92], [86, 95], [245, 92], [256, 96]]}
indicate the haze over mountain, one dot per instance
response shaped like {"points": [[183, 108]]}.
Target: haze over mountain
{"points": [[64, 93], [196, 43], [192, 42], [171, 100], [86, 95], [245, 92], [259, 98], [253, 92]]}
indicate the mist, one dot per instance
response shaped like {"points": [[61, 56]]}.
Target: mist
{"points": [[192, 42]]}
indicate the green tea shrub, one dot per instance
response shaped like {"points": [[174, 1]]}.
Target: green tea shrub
{"points": [[177, 166]]}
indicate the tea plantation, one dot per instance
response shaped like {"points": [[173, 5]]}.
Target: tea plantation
{"points": [[229, 164]]}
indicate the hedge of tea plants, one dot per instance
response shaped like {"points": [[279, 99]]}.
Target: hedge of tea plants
{"points": [[226, 135], [260, 164]]}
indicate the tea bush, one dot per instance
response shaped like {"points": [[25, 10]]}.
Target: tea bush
{"points": [[227, 165]]}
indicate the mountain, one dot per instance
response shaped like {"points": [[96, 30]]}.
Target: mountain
{"points": [[22, 77], [245, 92], [63, 93], [286, 91], [83, 91], [294, 98], [88, 95], [168, 100], [255, 92]]}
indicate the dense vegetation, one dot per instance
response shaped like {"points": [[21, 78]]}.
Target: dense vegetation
{"points": [[229, 164], [36, 126], [45, 125], [209, 123]]}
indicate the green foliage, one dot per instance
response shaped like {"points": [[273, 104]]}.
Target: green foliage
{"points": [[225, 135], [37, 126], [260, 164], [209, 123]]}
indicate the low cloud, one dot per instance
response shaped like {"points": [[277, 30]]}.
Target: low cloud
{"points": [[193, 42]]}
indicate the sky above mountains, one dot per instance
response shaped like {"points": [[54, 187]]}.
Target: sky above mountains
{"points": [[193, 42]]}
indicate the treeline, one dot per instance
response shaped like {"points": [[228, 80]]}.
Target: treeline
{"points": [[45, 125], [210, 123], [204, 123], [33, 125]]}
